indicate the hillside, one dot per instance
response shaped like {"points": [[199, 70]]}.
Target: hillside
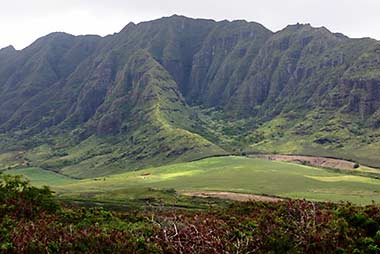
{"points": [[179, 89]]}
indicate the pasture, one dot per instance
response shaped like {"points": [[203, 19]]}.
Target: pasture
{"points": [[232, 174]]}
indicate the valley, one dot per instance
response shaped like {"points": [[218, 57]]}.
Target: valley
{"points": [[217, 175], [184, 135]]}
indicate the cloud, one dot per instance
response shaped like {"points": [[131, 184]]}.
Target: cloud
{"points": [[23, 21]]}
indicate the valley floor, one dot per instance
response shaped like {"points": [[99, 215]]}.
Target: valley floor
{"points": [[214, 177], [232, 196]]}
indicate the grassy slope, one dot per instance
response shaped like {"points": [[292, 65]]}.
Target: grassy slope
{"points": [[235, 174], [158, 128], [40, 177], [319, 133], [345, 137]]}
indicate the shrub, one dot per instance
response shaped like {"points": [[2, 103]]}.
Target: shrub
{"points": [[21, 199], [32, 222]]}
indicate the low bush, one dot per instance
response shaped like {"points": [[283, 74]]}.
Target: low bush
{"points": [[31, 221]]}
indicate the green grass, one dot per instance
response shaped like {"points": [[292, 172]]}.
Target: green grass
{"points": [[234, 174], [349, 138], [40, 177]]}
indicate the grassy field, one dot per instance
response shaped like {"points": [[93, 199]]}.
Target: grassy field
{"points": [[233, 174], [40, 177]]}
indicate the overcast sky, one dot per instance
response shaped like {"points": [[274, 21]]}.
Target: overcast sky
{"points": [[23, 21]]}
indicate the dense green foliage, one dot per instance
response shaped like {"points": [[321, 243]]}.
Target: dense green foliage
{"points": [[38, 225], [178, 89], [22, 199]]}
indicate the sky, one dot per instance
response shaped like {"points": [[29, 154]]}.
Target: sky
{"points": [[23, 21]]}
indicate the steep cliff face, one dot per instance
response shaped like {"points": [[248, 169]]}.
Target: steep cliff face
{"points": [[239, 66], [300, 68], [360, 84], [222, 62], [63, 80], [33, 93], [172, 41], [133, 89]]}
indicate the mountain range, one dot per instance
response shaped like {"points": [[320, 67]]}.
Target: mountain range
{"points": [[181, 89]]}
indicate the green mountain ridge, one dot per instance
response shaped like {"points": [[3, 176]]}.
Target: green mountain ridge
{"points": [[179, 89]]}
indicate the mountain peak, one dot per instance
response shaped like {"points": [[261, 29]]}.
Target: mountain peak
{"points": [[177, 16], [128, 27], [9, 48], [58, 35], [8, 51], [297, 26]]}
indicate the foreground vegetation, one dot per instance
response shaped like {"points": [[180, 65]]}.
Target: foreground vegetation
{"points": [[32, 221]]}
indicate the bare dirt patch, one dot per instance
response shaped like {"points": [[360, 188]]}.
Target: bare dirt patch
{"points": [[233, 196], [310, 160]]}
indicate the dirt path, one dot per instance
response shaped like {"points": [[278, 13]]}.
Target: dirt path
{"points": [[232, 196], [310, 160]]}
